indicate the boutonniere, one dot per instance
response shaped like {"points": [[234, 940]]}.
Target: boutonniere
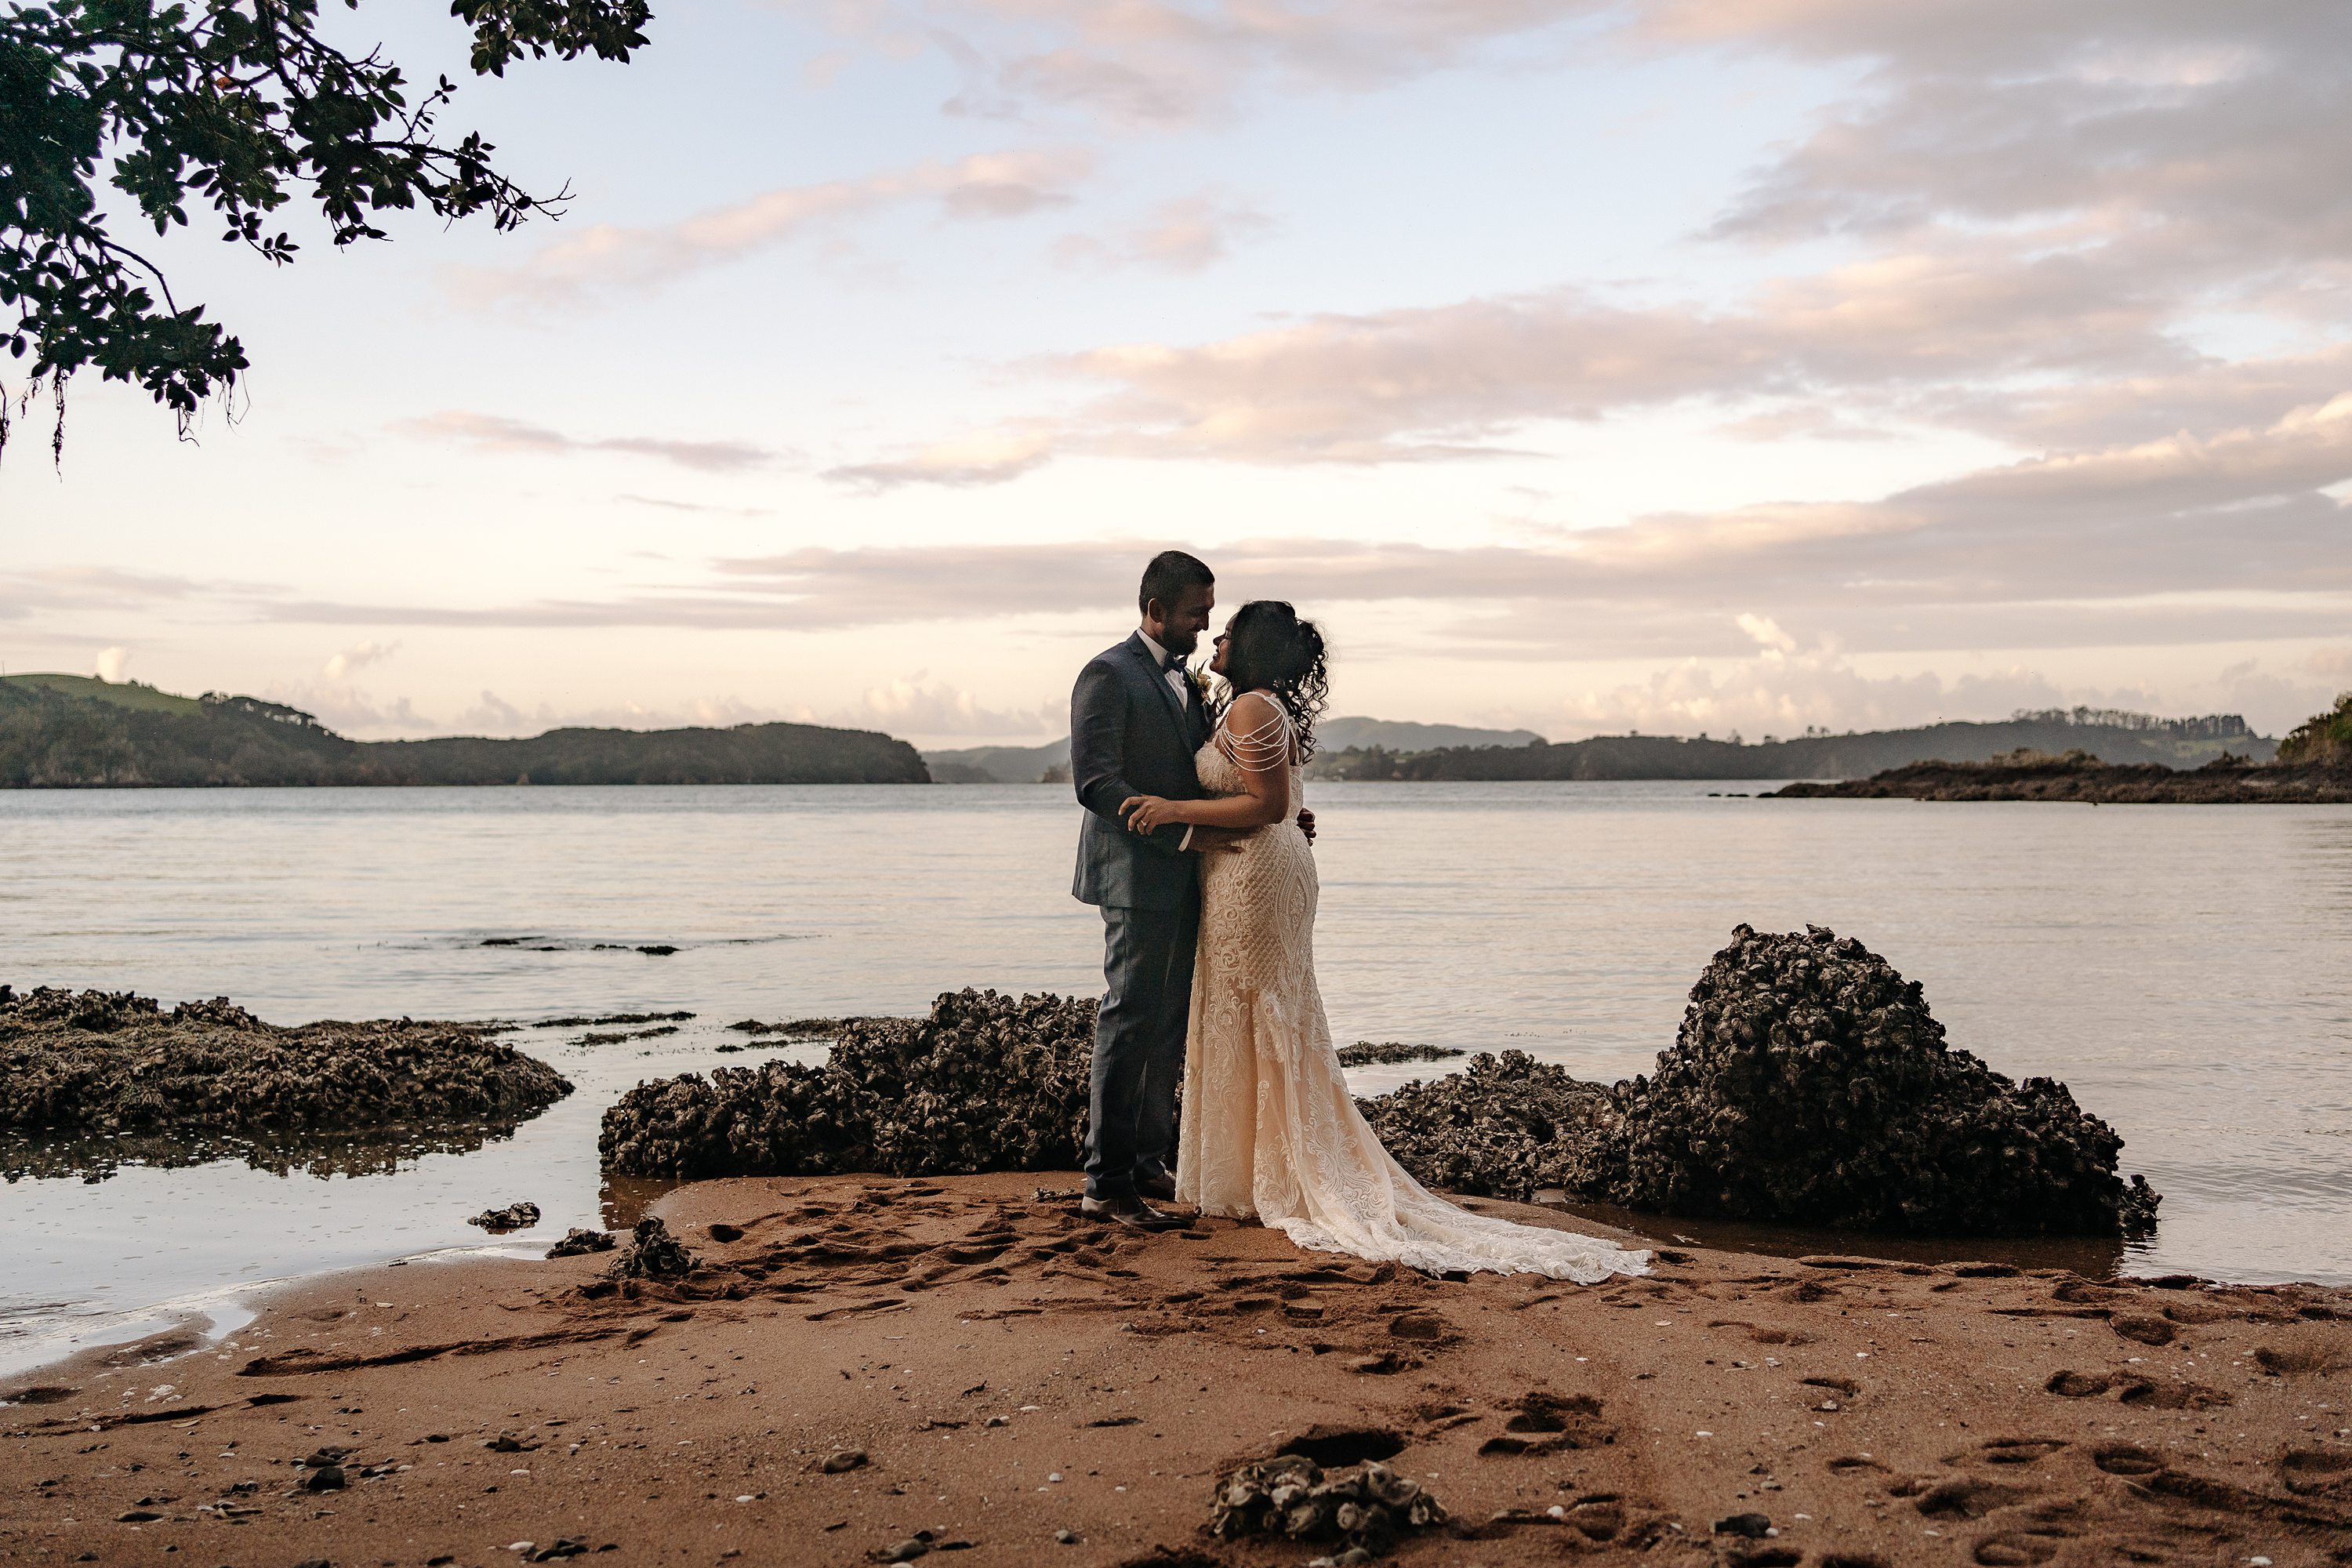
{"points": [[1198, 679]]}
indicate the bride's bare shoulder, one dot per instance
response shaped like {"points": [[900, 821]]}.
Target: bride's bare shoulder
{"points": [[1251, 709]]}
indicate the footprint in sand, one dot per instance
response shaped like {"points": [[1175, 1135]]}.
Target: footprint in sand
{"points": [[2144, 1329], [1426, 1327], [2078, 1385], [2125, 1459], [2317, 1472], [1545, 1423], [1967, 1497], [2019, 1548], [2016, 1450]]}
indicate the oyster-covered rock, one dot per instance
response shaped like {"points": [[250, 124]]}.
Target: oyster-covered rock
{"points": [[111, 1063], [985, 1082], [1290, 1496], [653, 1253], [1809, 1082], [1504, 1127], [578, 1242]]}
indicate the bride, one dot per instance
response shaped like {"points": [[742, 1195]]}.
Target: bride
{"points": [[1270, 1131]]}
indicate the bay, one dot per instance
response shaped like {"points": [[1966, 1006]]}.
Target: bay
{"points": [[2180, 967]]}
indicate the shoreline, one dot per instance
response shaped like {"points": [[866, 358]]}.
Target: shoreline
{"points": [[973, 1336]]}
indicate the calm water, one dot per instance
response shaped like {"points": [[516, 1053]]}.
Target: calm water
{"points": [[2182, 968]]}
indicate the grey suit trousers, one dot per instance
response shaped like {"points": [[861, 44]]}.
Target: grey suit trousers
{"points": [[1140, 1045]]}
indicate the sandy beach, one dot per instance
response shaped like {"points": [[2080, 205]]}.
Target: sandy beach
{"points": [[864, 1369]]}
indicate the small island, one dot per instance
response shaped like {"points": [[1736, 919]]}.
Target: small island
{"points": [[2314, 767], [69, 731]]}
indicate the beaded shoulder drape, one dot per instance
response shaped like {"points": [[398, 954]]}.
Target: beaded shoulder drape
{"points": [[1270, 1131]]}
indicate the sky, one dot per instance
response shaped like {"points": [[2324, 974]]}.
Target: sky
{"points": [[1684, 366]]}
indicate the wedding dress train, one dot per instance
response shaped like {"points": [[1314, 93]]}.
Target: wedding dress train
{"points": [[1270, 1131]]}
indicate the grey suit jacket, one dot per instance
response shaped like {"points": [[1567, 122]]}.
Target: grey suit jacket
{"points": [[1130, 735]]}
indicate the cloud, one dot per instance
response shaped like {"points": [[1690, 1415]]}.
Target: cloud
{"points": [[85, 587], [988, 185], [1189, 234], [2184, 540], [358, 656], [495, 433], [1159, 62], [914, 705], [1766, 631], [1783, 694], [919, 706], [2049, 200], [1783, 689], [667, 503], [1461, 380], [983, 458]]}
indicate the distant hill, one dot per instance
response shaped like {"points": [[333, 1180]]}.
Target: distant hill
{"points": [[2117, 738], [68, 732], [1401, 735], [1029, 764], [998, 764]]}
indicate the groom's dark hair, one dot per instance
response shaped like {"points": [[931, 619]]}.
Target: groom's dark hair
{"points": [[1170, 573]]}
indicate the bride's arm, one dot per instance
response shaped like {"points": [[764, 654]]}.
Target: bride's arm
{"points": [[1261, 751]]}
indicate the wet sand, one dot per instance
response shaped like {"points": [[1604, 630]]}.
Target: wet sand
{"points": [[1011, 1373]]}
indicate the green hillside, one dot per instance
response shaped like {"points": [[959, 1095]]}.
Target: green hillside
{"points": [[65, 731], [120, 693], [2116, 738]]}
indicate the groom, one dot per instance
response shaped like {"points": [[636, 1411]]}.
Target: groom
{"points": [[1135, 720]]}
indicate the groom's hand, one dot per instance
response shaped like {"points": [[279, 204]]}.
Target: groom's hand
{"points": [[1306, 823], [1144, 813]]}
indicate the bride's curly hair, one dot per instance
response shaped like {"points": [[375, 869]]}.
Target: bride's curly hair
{"points": [[1269, 648]]}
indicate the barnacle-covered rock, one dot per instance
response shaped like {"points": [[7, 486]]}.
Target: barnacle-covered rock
{"points": [[1809, 1082], [653, 1253], [1290, 1496], [985, 1082], [1502, 1127], [1389, 1053], [89, 1064], [577, 1243]]}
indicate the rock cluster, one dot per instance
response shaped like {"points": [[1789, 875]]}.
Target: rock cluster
{"points": [[517, 1215], [1810, 1083], [653, 1253], [2075, 775], [1289, 1495], [577, 1243], [1504, 1127], [1807, 1084], [1369, 1053], [984, 1082], [114, 1063]]}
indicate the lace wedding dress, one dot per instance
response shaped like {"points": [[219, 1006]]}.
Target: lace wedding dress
{"points": [[1270, 1131]]}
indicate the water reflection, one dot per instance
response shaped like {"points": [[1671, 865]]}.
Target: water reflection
{"points": [[624, 1200], [2092, 1256], [371, 1151]]}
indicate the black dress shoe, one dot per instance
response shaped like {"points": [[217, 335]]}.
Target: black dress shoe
{"points": [[1130, 1212], [1160, 1188]]}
